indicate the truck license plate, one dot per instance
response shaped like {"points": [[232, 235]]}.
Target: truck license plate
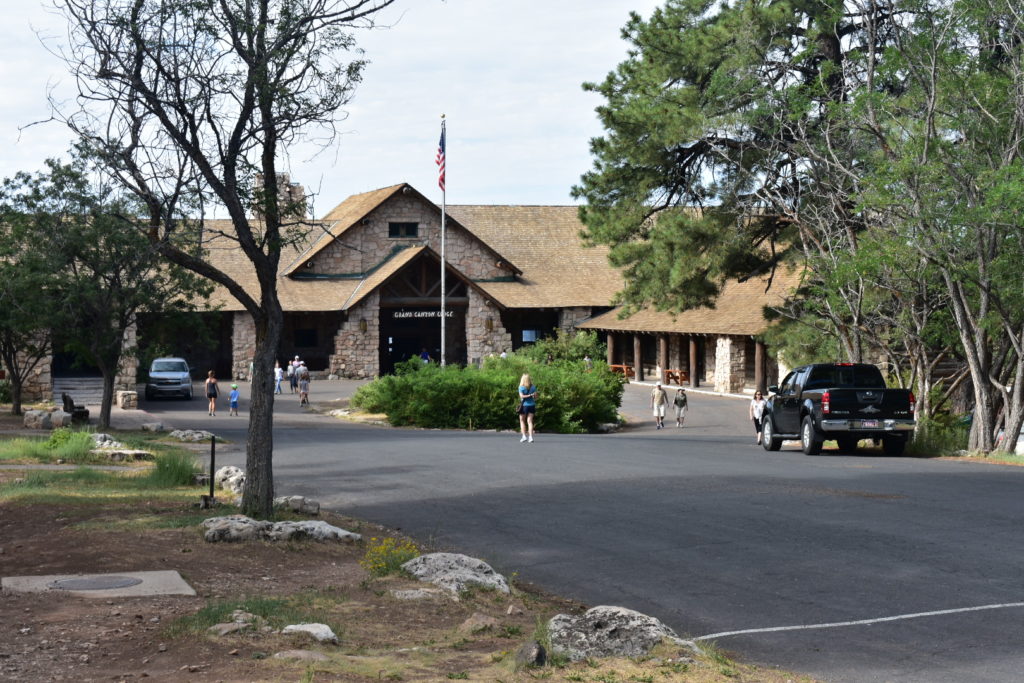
{"points": [[869, 424]]}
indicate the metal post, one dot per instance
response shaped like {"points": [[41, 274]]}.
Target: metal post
{"points": [[213, 462]]}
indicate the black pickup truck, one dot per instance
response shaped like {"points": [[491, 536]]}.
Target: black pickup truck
{"points": [[846, 402]]}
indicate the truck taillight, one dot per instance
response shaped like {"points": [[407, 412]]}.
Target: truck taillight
{"points": [[825, 403], [913, 402]]}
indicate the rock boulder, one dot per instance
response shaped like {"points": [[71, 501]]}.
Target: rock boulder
{"points": [[607, 631], [455, 572]]}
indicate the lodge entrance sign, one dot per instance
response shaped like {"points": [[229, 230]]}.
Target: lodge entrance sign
{"points": [[410, 315]]}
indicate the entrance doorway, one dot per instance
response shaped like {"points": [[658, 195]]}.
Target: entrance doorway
{"points": [[406, 332]]}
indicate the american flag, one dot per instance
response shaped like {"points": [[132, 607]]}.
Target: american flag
{"points": [[440, 160]]}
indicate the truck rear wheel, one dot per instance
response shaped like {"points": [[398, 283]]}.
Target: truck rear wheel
{"points": [[809, 438], [768, 438]]}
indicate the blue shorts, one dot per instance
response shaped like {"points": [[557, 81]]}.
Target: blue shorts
{"points": [[234, 404], [528, 410]]}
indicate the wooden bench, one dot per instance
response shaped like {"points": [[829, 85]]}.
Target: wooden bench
{"points": [[624, 370], [680, 377], [78, 413]]}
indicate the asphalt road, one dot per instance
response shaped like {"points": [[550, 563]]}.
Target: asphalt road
{"points": [[699, 528]]}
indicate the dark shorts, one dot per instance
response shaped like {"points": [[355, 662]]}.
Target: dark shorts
{"points": [[528, 410], [211, 394], [757, 425]]}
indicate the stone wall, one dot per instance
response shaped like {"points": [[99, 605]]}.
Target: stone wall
{"points": [[569, 318], [366, 245], [481, 341], [710, 355], [243, 345], [38, 386], [730, 365], [357, 353], [125, 379]]}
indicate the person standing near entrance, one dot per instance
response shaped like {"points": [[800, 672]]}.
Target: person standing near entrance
{"points": [[680, 403], [527, 407], [658, 402], [278, 376], [211, 391]]}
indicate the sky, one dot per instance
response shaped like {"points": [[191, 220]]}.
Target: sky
{"points": [[506, 74]]}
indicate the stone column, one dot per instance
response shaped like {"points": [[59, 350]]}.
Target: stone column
{"points": [[693, 364], [485, 335], [357, 344], [730, 365], [611, 348], [638, 364], [243, 344], [662, 356], [127, 371]]}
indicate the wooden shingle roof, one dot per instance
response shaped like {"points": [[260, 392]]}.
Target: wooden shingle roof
{"points": [[557, 270], [739, 310]]}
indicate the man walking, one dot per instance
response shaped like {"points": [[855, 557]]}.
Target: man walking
{"points": [[658, 403]]}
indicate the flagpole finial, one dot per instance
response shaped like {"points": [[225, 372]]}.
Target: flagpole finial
{"points": [[442, 116]]}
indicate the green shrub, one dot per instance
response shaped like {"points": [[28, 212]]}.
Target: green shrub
{"points": [[565, 346], [942, 434], [173, 469], [5, 391], [387, 555], [571, 399]]}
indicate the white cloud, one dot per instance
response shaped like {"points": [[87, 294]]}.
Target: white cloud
{"points": [[507, 74]]}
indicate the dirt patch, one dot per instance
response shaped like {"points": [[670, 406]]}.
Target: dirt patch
{"points": [[59, 637]]}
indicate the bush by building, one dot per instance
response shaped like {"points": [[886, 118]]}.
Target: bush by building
{"points": [[571, 399]]}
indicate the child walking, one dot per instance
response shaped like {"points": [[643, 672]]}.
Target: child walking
{"points": [[233, 397]]}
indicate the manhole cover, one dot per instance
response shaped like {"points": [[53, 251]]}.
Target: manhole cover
{"points": [[95, 583]]}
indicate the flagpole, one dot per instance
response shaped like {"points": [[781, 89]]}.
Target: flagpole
{"points": [[444, 210]]}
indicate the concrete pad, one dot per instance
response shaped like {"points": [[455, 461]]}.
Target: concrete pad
{"points": [[118, 585]]}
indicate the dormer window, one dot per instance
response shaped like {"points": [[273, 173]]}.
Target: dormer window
{"points": [[403, 230]]}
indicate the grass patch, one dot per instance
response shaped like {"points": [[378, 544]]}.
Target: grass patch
{"points": [[63, 444], [170, 477]]}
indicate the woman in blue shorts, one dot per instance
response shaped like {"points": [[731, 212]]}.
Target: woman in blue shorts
{"points": [[527, 407]]}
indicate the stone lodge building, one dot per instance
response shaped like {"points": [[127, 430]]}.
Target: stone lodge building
{"points": [[363, 293]]}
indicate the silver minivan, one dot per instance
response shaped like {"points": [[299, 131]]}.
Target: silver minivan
{"points": [[169, 377]]}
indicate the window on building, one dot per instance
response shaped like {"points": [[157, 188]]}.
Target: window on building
{"points": [[530, 336], [305, 339], [400, 230]]}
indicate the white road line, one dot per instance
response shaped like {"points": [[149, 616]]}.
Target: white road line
{"points": [[862, 622]]}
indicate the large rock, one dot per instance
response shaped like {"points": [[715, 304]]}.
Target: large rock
{"points": [[455, 572], [607, 631], [236, 528], [301, 504], [194, 435], [59, 418], [317, 530], [106, 441], [230, 478], [38, 419]]}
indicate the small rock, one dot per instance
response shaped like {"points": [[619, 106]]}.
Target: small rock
{"points": [[234, 653], [84, 659], [161, 647], [322, 632], [303, 655], [153, 426], [416, 594], [531, 653], [477, 623], [514, 610], [225, 629]]}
